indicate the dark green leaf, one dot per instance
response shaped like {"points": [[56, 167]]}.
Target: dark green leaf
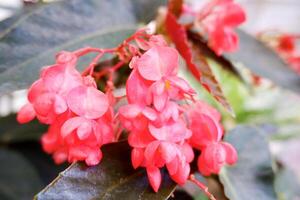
{"points": [[264, 62], [32, 40], [113, 178], [18, 179], [252, 177], [12, 131], [287, 185]]}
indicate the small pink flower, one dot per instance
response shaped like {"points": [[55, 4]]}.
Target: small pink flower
{"points": [[47, 95], [214, 156], [207, 133], [219, 18]]}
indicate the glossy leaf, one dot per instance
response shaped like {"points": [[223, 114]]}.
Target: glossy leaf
{"points": [[11, 131], [263, 61], [18, 179], [195, 60], [31, 41], [113, 178], [252, 176]]}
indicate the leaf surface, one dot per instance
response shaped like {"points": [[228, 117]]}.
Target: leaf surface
{"points": [[113, 178]]}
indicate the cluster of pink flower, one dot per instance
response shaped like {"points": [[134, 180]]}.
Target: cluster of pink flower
{"points": [[217, 19], [79, 115], [162, 117], [163, 126]]}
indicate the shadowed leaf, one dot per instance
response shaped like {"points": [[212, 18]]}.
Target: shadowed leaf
{"points": [[32, 39], [18, 179], [11, 131], [113, 178]]}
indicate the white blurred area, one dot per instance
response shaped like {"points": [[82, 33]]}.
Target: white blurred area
{"points": [[9, 7]]}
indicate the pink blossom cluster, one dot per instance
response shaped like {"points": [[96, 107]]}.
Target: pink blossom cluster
{"points": [[78, 114], [217, 19], [163, 127], [165, 123]]}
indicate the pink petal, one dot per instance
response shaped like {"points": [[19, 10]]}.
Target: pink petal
{"points": [[53, 77], [60, 105], [181, 84], [160, 133], [231, 154], [139, 139], [136, 88], [60, 156], [172, 166], [94, 157], [88, 102], [35, 90], [213, 157], [167, 151], [182, 174], [149, 113], [202, 167], [130, 110], [26, 114], [43, 104], [158, 87], [70, 125], [160, 101], [188, 152], [79, 152], [49, 142], [158, 62], [207, 109], [204, 129], [84, 130], [234, 16], [154, 177], [137, 157], [150, 151]]}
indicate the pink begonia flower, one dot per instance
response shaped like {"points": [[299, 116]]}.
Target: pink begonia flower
{"points": [[158, 65], [214, 156], [47, 95], [219, 18], [158, 134], [158, 62], [207, 133], [79, 115], [75, 138]]}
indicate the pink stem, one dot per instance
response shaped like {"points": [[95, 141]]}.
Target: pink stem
{"points": [[203, 187]]}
